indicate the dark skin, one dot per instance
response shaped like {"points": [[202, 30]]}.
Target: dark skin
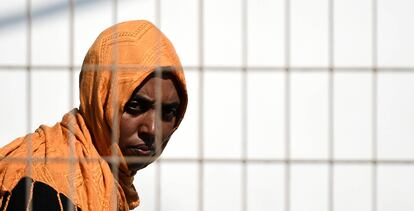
{"points": [[138, 122]]}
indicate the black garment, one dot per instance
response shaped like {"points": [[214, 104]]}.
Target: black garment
{"points": [[44, 197]]}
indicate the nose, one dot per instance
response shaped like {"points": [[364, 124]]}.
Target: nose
{"points": [[147, 127]]}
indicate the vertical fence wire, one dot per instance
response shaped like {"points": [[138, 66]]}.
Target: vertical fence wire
{"points": [[331, 72], [374, 99], [29, 161], [72, 5], [158, 127], [287, 176], [201, 105], [244, 109], [71, 139], [115, 98]]}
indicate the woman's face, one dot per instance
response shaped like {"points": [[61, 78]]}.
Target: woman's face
{"points": [[138, 126]]}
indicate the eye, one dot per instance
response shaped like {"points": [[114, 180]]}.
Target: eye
{"points": [[135, 107], [169, 113]]}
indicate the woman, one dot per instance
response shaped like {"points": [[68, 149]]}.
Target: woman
{"points": [[132, 98]]}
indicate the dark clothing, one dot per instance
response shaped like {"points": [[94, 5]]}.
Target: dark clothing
{"points": [[43, 197]]}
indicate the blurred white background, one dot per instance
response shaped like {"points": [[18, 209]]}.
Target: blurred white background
{"points": [[321, 115]]}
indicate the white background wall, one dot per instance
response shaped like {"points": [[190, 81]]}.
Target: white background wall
{"points": [[352, 129]]}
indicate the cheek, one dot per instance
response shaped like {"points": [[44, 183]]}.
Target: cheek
{"points": [[127, 126], [167, 128]]}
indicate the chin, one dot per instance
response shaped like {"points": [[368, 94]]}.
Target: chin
{"points": [[134, 167]]}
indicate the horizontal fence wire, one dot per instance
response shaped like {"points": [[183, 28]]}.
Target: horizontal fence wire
{"points": [[229, 68], [216, 160]]}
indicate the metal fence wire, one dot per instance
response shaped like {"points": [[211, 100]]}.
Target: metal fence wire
{"points": [[203, 164]]}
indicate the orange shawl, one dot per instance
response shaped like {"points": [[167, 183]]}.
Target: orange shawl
{"points": [[69, 156]]}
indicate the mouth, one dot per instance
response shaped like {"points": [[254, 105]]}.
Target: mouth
{"points": [[140, 150], [143, 151]]}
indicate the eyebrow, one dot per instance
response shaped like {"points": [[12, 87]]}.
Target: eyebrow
{"points": [[146, 99], [171, 105]]}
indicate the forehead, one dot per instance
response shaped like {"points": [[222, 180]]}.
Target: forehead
{"points": [[154, 85]]}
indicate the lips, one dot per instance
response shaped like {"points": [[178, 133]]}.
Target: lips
{"points": [[140, 150]]}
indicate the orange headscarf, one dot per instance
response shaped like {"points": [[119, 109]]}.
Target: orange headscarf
{"points": [[118, 62]]}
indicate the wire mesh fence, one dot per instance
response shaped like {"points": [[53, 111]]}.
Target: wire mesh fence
{"points": [[293, 104]]}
